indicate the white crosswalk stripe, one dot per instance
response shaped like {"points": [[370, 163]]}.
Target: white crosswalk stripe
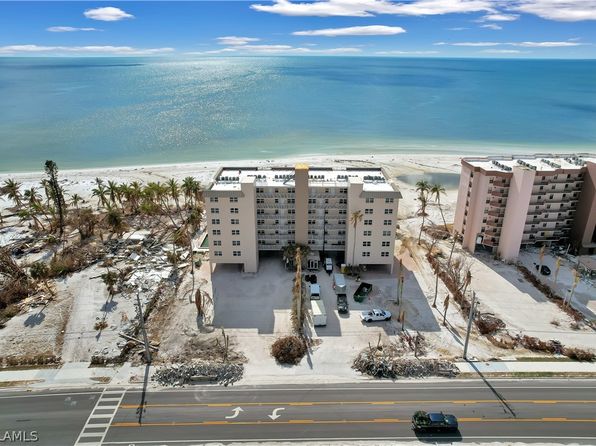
{"points": [[96, 427]]}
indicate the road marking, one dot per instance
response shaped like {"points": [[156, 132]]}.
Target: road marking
{"points": [[323, 403], [274, 415], [100, 420], [42, 395], [237, 411], [372, 421], [327, 439]]}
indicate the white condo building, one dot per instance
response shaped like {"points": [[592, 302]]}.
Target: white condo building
{"points": [[249, 210]]}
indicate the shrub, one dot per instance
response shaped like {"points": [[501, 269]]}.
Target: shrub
{"points": [[100, 325], [578, 354], [289, 350]]}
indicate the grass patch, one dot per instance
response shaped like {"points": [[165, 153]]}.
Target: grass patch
{"points": [[6, 384]]}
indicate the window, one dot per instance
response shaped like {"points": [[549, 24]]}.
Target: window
{"points": [[386, 233], [291, 211], [384, 254], [369, 200], [343, 201], [327, 190], [367, 233], [236, 253], [233, 199], [260, 190], [385, 243], [260, 222], [215, 221], [312, 211], [216, 242], [215, 210], [312, 201], [368, 211], [235, 242], [341, 232], [291, 200], [367, 222], [234, 221], [312, 222], [233, 210], [217, 254], [365, 243], [342, 212], [260, 200], [276, 200], [341, 222], [387, 222], [388, 211], [235, 231], [365, 253], [216, 232], [213, 199], [291, 190], [276, 190], [343, 190], [388, 200], [260, 211]]}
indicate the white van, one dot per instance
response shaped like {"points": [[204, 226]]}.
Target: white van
{"points": [[339, 283], [319, 315], [315, 291], [329, 265]]}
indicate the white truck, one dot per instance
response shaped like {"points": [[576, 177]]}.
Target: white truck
{"points": [[319, 315], [315, 291]]}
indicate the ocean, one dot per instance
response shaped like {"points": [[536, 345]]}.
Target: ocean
{"points": [[94, 112]]}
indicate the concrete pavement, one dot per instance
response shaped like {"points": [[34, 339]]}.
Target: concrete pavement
{"points": [[559, 411]]}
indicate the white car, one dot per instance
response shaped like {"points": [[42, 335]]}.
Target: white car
{"points": [[375, 315]]}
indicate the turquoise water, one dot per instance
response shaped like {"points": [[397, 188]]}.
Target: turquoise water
{"points": [[91, 112]]}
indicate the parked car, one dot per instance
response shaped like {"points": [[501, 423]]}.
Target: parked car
{"points": [[315, 291], [342, 303], [545, 270], [435, 421], [375, 315]]}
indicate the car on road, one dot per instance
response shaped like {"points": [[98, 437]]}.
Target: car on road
{"points": [[434, 422], [544, 270], [342, 303], [375, 315], [328, 265]]}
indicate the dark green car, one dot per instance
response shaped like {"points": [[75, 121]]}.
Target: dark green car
{"points": [[434, 422]]}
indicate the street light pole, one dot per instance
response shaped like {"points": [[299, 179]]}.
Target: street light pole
{"points": [[145, 339], [470, 319]]}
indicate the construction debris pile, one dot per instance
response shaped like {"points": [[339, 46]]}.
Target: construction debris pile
{"points": [[180, 374], [387, 361]]}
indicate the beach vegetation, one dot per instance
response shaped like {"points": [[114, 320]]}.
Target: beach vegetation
{"points": [[56, 194], [437, 190], [11, 189], [355, 219]]}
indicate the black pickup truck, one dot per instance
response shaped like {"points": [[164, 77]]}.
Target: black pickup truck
{"points": [[434, 422]]}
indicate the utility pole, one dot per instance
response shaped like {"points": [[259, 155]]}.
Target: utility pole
{"points": [[145, 339], [470, 319], [436, 284], [452, 248]]}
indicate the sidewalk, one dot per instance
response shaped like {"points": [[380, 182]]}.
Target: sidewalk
{"points": [[79, 374]]}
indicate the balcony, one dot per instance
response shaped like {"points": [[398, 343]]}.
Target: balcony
{"points": [[498, 194], [496, 213]]}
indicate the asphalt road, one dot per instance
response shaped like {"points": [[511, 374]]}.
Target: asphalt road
{"points": [[561, 411]]}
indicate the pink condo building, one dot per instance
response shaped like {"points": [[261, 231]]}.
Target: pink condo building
{"points": [[505, 203]]}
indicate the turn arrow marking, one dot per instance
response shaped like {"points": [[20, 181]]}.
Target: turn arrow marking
{"points": [[274, 416], [237, 411]]}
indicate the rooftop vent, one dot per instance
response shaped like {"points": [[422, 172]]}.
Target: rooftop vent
{"points": [[576, 160], [526, 164], [501, 166], [551, 163]]}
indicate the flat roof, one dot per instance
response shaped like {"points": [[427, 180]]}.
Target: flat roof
{"points": [[373, 179], [539, 162]]}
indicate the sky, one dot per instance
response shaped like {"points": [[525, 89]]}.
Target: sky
{"points": [[390, 28]]}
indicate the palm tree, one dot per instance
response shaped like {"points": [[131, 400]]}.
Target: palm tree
{"points": [[422, 211], [11, 189], [113, 191], [436, 190], [101, 193], [422, 187], [355, 218], [190, 186], [51, 169], [174, 190], [115, 219], [32, 196], [75, 199]]}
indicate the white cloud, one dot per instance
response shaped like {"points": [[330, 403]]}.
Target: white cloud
{"points": [[561, 44], [371, 30], [278, 49], [459, 28], [502, 51], [492, 26], [397, 52], [498, 17], [546, 44], [366, 8], [107, 14], [560, 10], [90, 49], [68, 29], [235, 40], [474, 44]]}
